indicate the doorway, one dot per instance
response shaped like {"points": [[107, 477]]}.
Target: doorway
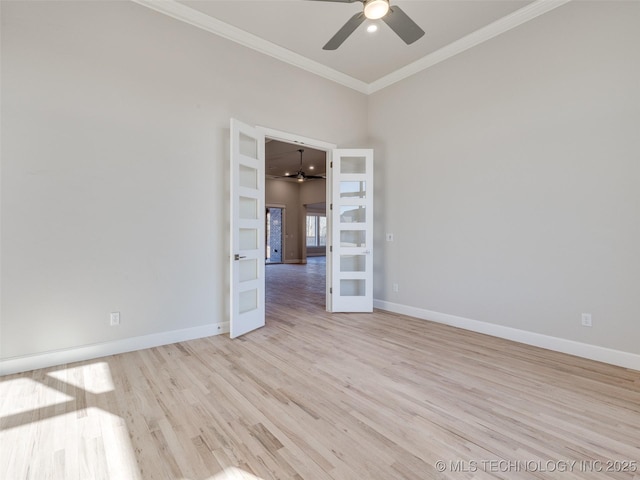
{"points": [[295, 188], [348, 269], [274, 234]]}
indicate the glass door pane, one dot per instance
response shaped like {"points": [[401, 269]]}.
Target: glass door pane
{"points": [[352, 259]]}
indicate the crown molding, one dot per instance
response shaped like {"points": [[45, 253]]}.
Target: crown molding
{"points": [[205, 22], [481, 35], [198, 19]]}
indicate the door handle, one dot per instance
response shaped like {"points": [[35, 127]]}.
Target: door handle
{"points": [[238, 257]]}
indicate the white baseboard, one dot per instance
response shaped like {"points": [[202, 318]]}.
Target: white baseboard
{"points": [[88, 352], [584, 350], [97, 350]]}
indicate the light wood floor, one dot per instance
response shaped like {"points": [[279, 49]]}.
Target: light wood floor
{"points": [[318, 396]]}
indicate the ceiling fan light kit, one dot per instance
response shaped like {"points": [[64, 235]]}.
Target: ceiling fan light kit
{"points": [[394, 17], [375, 9]]}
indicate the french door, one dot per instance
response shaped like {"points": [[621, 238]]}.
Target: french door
{"points": [[247, 280], [350, 260], [352, 231]]}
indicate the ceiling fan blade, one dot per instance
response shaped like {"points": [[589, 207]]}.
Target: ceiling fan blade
{"points": [[346, 30], [405, 28], [341, 1]]}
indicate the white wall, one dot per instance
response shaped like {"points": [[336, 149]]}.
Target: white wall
{"points": [[114, 128], [508, 173], [509, 176], [313, 191]]}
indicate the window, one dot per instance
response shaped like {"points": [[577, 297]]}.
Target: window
{"points": [[316, 230]]}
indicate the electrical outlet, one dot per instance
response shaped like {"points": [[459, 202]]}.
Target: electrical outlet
{"points": [[115, 319], [395, 287], [586, 320]]}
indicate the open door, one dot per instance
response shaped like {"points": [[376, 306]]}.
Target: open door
{"points": [[352, 231], [247, 284]]}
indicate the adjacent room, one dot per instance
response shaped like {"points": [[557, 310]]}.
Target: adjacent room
{"points": [[440, 242]]}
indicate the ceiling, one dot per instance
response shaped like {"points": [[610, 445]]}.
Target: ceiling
{"points": [[296, 30], [305, 26], [283, 158]]}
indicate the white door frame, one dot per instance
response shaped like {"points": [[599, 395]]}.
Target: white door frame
{"points": [[328, 149]]}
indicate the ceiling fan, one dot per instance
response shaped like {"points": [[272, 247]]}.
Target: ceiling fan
{"points": [[300, 175], [399, 22]]}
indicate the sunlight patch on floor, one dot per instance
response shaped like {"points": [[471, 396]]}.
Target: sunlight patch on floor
{"points": [[64, 417], [33, 396], [94, 377], [121, 458]]}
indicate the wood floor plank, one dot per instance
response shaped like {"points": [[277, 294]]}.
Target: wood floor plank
{"points": [[318, 396]]}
